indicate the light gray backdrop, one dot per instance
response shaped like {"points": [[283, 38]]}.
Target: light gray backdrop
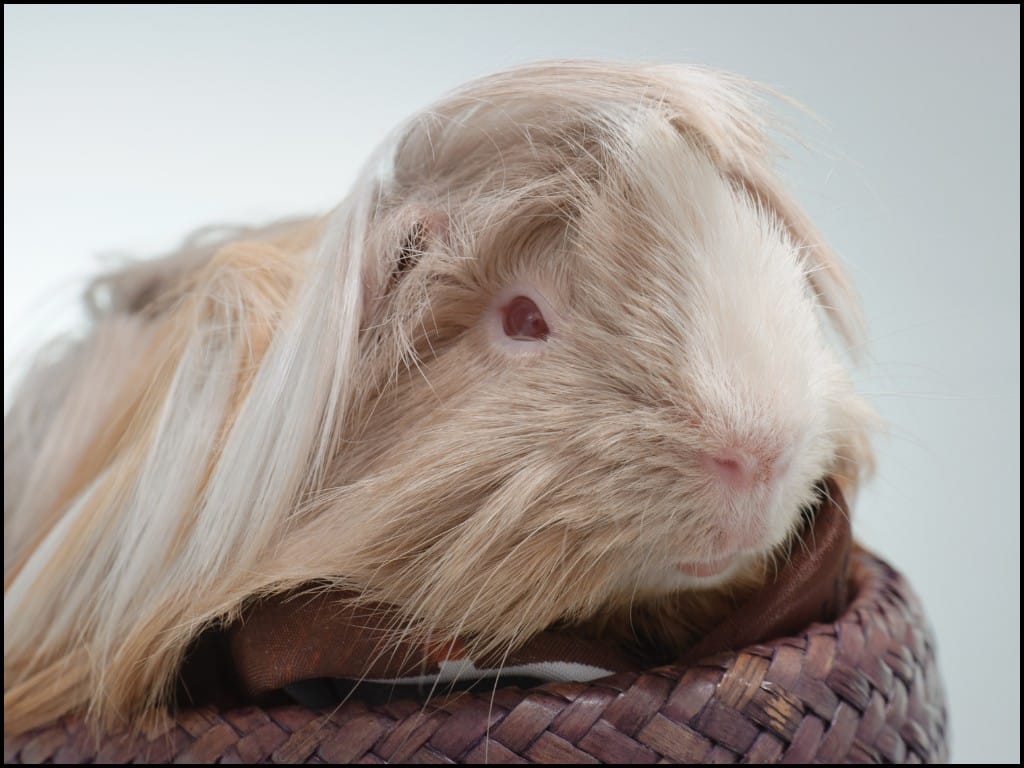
{"points": [[126, 128]]}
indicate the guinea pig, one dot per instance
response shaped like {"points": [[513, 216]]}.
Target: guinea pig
{"points": [[567, 353]]}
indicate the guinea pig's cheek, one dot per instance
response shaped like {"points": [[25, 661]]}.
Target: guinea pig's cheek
{"points": [[521, 321]]}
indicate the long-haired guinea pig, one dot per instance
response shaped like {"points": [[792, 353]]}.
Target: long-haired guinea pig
{"points": [[561, 356]]}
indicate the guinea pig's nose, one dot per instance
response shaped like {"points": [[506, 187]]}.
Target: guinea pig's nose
{"points": [[744, 467]]}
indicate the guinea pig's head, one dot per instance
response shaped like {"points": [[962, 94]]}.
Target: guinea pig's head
{"points": [[595, 365]]}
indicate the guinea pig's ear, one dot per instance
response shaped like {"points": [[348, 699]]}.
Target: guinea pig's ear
{"points": [[420, 229]]}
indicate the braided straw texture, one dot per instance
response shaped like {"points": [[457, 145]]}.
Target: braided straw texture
{"points": [[864, 689]]}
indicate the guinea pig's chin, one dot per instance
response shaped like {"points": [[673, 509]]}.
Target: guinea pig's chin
{"points": [[705, 574]]}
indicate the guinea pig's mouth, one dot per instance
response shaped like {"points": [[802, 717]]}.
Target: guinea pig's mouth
{"points": [[709, 568]]}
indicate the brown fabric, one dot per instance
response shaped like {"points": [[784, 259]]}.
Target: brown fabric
{"points": [[862, 689], [319, 634], [288, 639]]}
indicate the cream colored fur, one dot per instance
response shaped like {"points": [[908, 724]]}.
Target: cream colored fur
{"points": [[321, 401]]}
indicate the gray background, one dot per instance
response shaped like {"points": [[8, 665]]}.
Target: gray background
{"points": [[126, 128]]}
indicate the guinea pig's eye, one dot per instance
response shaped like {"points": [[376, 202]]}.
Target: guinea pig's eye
{"points": [[522, 320]]}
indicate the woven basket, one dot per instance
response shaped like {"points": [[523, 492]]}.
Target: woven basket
{"points": [[864, 689]]}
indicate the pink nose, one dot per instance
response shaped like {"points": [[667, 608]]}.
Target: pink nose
{"points": [[738, 468]]}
